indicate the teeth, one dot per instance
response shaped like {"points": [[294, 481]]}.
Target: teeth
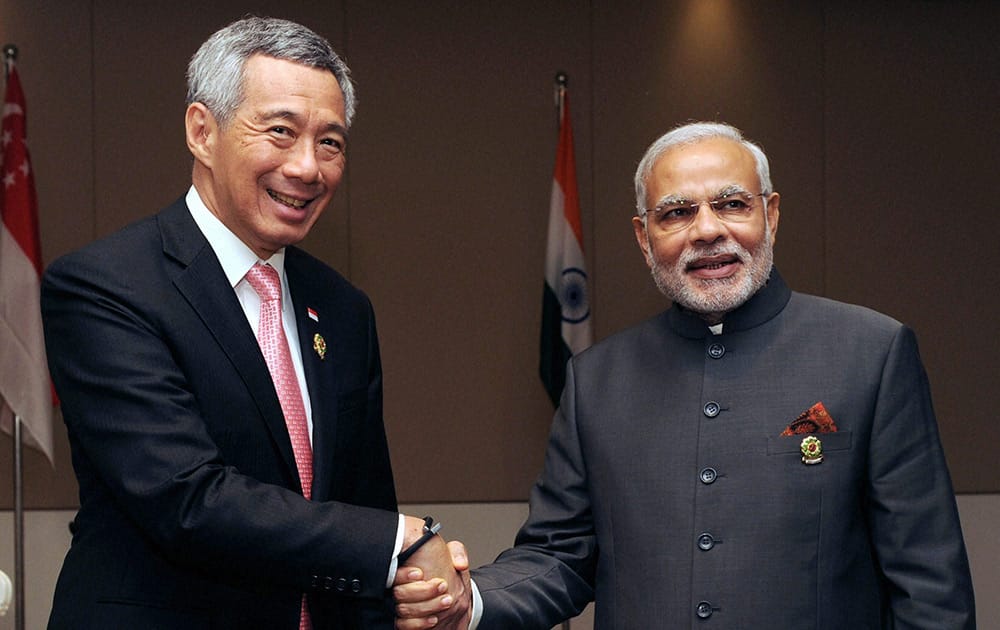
{"points": [[288, 201]]}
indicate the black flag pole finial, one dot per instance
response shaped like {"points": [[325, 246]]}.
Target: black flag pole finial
{"points": [[561, 82], [9, 56]]}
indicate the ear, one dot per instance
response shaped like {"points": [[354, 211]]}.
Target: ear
{"points": [[640, 237], [202, 132], [773, 214]]}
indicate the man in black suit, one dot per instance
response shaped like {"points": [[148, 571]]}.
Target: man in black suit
{"points": [[196, 505]]}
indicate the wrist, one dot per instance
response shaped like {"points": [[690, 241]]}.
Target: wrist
{"points": [[428, 531]]}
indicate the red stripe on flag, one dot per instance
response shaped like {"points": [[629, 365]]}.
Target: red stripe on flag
{"points": [[19, 203]]}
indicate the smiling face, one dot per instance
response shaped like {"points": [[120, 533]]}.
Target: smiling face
{"points": [[269, 173], [711, 266]]}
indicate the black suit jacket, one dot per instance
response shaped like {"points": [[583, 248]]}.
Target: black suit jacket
{"points": [[671, 498], [191, 510]]}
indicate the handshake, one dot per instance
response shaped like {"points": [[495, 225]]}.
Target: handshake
{"points": [[432, 587]]}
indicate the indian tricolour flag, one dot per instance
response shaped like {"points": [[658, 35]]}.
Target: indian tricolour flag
{"points": [[565, 304]]}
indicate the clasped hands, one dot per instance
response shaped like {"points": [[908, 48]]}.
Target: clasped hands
{"points": [[433, 590]]}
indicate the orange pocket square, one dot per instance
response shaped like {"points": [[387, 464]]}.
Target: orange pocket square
{"points": [[816, 419]]}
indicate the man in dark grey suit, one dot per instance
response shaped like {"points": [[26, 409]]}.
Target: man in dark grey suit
{"points": [[214, 493], [751, 458]]}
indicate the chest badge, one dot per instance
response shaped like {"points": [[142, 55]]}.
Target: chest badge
{"points": [[319, 345], [812, 450]]}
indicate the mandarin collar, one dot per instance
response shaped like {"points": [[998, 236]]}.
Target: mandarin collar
{"points": [[762, 306]]}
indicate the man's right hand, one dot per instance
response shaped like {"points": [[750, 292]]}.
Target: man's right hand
{"points": [[433, 590]]}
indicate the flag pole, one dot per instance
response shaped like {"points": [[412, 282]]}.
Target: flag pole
{"points": [[9, 56], [561, 82]]}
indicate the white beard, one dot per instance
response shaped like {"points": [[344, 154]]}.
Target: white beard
{"points": [[712, 298]]}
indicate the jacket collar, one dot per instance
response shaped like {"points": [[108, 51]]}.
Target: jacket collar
{"points": [[762, 306]]}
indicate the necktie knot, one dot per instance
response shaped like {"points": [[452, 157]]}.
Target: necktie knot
{"points": [[265, 281]]}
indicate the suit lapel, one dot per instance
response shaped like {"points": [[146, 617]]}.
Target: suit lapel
{"points": [[201, 281], [322, 373]]}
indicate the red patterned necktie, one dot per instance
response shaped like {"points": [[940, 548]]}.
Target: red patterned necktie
{"points": [[274, 345]]}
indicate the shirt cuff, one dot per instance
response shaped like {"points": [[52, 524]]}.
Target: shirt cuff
{"points": [[394, 563], [477, 607]]}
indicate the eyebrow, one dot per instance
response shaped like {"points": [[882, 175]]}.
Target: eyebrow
{"points": [[295, 117], [680, 198]]}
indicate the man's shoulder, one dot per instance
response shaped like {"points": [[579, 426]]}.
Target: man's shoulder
{"points": [[125, 247], [651, 332], [827, 312]]}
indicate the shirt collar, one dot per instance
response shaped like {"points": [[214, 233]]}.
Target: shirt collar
{"points": [[234, 255]]}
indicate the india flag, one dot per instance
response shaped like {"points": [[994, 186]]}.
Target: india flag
{"points": [[565, 304]]}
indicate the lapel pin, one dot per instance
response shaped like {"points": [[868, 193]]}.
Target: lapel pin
{"points": [[313, 315], [319, 345], [812, 450]]}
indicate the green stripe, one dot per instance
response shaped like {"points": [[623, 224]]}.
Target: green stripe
{"points": [[554, 351]]}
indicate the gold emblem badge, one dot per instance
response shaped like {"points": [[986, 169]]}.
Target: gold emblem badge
{"points": [[319, 345], [812, 450]]}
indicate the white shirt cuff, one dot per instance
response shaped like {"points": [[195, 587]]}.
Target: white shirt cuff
{"points": [[477, 607], [394, 563]]}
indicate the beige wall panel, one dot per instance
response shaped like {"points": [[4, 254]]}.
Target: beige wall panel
{"points": [[451, 171], [912, 212]]}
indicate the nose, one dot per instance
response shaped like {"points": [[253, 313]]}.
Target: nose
{"points": [[301, 163], [707, 227]]}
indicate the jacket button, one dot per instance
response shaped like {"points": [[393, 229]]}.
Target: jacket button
{"points": [[704, 610], [706, 542], [716, 350], [355, 586], [708, 475], [712, 409], [341, 585]]}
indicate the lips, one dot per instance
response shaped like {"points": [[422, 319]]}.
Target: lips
{"points": [[291, 202], [717, 266], [712, 263]]}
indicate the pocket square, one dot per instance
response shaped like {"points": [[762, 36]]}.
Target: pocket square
{"points": [[815, 419]]}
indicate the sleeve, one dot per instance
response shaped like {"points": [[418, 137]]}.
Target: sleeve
{"points": [[912, 512], [147, 462], [548, 575]]}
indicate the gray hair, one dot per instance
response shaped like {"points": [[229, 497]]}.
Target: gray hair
{"points": [[215, 75], [690, 134]]}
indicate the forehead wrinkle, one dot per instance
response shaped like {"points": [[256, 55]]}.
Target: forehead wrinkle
{"points": [[280, 114]]}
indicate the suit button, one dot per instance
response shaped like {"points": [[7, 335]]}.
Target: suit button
{"points": [[355, 586], [712, 409], [708, 475], [704, 610], [341, 585], [327, 583], [716, 350], [706, 542]]}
